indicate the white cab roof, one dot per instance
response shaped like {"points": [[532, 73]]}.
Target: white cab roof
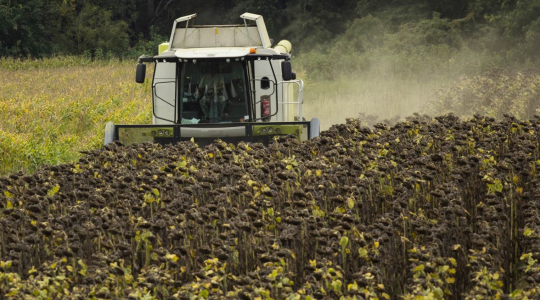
{"points": [[221, 52], [189, 36]]}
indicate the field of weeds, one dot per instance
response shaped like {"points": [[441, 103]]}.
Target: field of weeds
{"points": [[52, 109]]}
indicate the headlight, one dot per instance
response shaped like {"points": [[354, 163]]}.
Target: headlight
{"points": [[278, 130], [263, 131], [153, 133], [160, 132], [166, 132], [270, 130]]}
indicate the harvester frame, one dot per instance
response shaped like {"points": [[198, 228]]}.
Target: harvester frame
{"points": [[248, 95]]}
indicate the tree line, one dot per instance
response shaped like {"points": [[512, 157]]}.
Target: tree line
{"points": [[120, 28]]}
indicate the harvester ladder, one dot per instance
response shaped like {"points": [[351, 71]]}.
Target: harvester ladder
{"points": [[285, 88]]}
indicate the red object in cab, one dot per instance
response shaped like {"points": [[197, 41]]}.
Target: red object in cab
{"points": [[265, 107]]}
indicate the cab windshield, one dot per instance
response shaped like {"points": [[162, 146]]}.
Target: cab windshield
{"points": [[213, 92]]}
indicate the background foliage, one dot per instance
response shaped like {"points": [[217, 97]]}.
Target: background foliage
{"points": [[507, 28]]}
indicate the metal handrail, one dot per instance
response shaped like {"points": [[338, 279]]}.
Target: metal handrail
{"points": [[300, 101]]}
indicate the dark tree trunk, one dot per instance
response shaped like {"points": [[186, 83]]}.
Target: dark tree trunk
{"points": [[150, 8], [157, 11]]}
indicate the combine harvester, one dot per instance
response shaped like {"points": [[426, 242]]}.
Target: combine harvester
{"points": [[220, 82]]}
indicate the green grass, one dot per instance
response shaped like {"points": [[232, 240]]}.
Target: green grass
{"points": [[7, 63], [52, 109]]}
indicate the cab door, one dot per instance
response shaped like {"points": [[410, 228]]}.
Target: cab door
{"points": [[264, 91], [164, 93]]}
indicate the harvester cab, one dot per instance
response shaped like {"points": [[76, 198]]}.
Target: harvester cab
{"points": [[220, 82]]}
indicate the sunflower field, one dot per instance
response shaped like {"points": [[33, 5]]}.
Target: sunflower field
{"points": [[426, 209]]}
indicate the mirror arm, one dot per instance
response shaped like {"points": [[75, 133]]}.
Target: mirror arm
{"points": [[145, 58]]}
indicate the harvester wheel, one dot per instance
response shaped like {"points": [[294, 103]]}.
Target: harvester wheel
{"points": [[315, 128], [109, 133]]}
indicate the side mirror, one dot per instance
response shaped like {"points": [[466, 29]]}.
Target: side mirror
{"points": [[293, 76], [141, 73], [286, 70]]}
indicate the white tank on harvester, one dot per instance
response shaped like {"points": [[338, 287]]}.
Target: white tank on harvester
{"points": [[220, 82]]}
